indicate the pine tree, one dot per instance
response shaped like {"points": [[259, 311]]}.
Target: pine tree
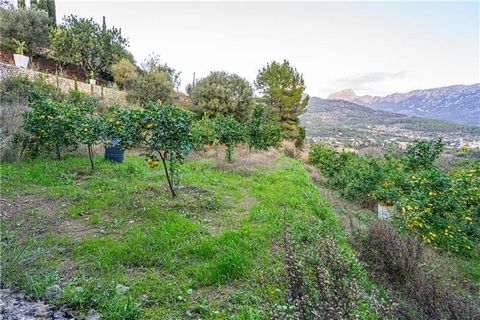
{"points": [[282, 87]]}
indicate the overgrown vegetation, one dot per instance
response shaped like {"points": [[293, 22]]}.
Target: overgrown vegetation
{"points": [[441, 207], [423, 288]]}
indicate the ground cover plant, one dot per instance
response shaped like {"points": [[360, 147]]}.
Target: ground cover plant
{"points": [[116, 243]]}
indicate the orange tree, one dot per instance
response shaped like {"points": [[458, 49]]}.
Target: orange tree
{"points": [[228, 132], [260, 133], [88, 124], [50, 125], [164, 130]]}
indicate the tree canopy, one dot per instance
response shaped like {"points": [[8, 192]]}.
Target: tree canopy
{"points": [[84, 42], [29, 26], [223, 94], [282, 87]]}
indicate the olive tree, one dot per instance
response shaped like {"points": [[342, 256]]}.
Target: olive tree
{"points": [[222, 94], [28, 26]]}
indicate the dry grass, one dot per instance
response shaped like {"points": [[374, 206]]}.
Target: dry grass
{"points": [[245, 162]]}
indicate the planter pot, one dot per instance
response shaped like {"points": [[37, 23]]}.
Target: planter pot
{"points": [[21, 61], [113, 153], [93, 81]]}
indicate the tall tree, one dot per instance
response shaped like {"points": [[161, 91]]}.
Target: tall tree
{"points": [[222, 94], [84, 42], [49, 7], [282, 87]]}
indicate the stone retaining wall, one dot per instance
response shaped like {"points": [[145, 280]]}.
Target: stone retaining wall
{"points": [[108, 96]]}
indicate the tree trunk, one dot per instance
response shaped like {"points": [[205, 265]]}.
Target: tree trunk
{"points": [[57, 151], [170, 184], [90, 156]]}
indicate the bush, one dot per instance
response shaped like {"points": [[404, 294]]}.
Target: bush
{"points": [[203, 133], [154, 85], [11, 116], [229, 132], [25, 25], [222, 94], [400, 262], [17, 88], [440, 207], [124, 73], [443, 209], [328, 160], [422, 153], [261, 134]]}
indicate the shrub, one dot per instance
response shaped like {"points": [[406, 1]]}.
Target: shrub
{"points": [[154, 85], [222, 94], [321, 280], [359, 179], [229, 132], [328, 160], [399, 260], [124, 73], [203, 133], [422, 153], [261, 134], [443, 209], [11, 116], [17, 89], [25, 25]]}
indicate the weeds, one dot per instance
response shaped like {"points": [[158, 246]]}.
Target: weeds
{"points": [[400, 261]]}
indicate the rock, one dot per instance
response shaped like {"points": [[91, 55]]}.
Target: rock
{"points": [[59, 315], [92, 315], [15, 306], [53, 292], [120, 288]]}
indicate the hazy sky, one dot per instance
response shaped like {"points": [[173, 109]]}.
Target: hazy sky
{"points": [[372, 47]]}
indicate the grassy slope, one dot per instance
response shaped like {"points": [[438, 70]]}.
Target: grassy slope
{"points": [[202, 254]]}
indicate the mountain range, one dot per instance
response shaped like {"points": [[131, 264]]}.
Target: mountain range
{"points": [[457, 103], [340, 122]]}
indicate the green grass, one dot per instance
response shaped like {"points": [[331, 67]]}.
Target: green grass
{"points": [[203, 254]]}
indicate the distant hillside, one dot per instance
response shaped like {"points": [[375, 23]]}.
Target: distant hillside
{"points": [[344, 121], [459, 103]]}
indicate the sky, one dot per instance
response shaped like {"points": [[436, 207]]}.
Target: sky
{"points": [[374, 48]]}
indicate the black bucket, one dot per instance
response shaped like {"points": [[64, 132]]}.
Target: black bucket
{"points": [[113, 153]]}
